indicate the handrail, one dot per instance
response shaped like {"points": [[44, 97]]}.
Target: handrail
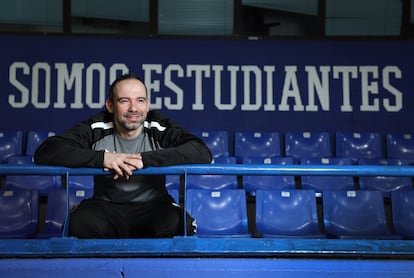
{"points": [[223, 169]]}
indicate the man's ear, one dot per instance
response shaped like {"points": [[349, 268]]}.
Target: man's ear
{"points": [[109, 105]]}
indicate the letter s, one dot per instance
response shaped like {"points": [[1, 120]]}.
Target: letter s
{"points": [[24, 99]]}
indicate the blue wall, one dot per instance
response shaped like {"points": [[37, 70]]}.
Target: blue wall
{"points": [[52, 82]]}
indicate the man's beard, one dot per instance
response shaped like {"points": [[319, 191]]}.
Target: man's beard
{"points": [[131, 126], [134, 125]]}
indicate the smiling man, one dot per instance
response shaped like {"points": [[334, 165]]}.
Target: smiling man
{"points": [[127, 137]]}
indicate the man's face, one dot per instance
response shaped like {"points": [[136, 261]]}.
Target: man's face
{"points": [[129, 106]]}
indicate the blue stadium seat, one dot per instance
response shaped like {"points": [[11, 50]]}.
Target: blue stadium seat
{"points": [[256, 144], [80, 182], [38, 182], [19, 211], [287, 213], [382, 183], [218, 213], [56, 209], [322, 183], [356, 145], [172, 181], [400, 145], [253, 183], [11, 144], [214, 182], [216, 140], [355, 214], [307, 145], [402, 204], [175, 193], [35, 138]]}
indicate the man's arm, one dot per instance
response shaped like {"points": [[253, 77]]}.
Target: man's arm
{"points": [[70, 149], [177, 145], [73, 148], [191, 152]]}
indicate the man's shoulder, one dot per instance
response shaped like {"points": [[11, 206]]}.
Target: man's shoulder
{"points": [[154, 115], [102, 116], [158, 120], [101, 121]]}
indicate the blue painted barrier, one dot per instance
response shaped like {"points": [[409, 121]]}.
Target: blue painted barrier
{"points": [[224, 169], [180, 246], [264, 257], [200, 268]]}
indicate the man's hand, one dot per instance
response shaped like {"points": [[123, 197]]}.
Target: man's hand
{"points": [[122, 164]]}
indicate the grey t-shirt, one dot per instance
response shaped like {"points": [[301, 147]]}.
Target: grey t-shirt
{"points": [[139, 188]]}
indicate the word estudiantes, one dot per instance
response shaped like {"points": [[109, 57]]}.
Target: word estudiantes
{"points": [[310, 88]]}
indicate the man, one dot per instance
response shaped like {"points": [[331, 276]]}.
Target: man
{"points": [[127, 137]]}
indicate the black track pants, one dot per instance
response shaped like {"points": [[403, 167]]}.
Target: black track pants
{"points": [[101, 219]]}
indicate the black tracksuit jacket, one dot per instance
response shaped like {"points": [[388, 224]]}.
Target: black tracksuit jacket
{"points": [[170, 144]]}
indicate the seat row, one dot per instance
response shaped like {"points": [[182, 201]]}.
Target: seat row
{"points": [[242, 144], [298, 145], [223, 213], [385, 184], [43, 183], [19, 143], [19, 211]]}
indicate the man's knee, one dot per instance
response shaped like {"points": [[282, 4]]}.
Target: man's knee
{"points": [[83, 224], [172, 224], [189, 224]]}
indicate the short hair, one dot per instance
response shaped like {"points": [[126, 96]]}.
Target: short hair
{"points": [[127, 76]]}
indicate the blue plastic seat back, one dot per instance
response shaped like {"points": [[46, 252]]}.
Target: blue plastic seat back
{"points": [[402, 204], [355, 214], [172, 181], [286, 213], [175, 193], [214, 182], [383, 183], [80, 182], [41, 183], [307, 145], [35, 138], [224, 160], [19, 210], [218, 213], [400, 145], [11, 144], [322, 183], [216, 140], [256, 144], [356, 145], [253, 183], [56, 208]]}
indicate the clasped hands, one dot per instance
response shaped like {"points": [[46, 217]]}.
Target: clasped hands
{"points": [[122, 164]]}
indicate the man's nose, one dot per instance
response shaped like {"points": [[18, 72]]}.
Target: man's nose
{"points": [[133, 106]]}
